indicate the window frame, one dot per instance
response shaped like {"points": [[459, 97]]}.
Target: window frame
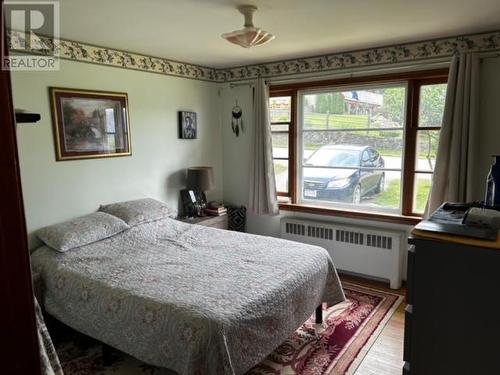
{"points": [[301, 130], [292, 139], [414, 81], [411, 140]]}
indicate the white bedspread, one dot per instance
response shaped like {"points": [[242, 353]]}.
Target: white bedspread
{"points": [[190, 298]]}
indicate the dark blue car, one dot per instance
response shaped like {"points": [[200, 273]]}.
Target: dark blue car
{"points": [[343, 173]]}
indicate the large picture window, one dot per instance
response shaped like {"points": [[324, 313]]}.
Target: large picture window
{"points": [[352, 146], [366, 146]]}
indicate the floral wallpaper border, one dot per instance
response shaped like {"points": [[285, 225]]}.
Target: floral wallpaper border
{"points": [[82, 52], [437, 48], [430, 49]]}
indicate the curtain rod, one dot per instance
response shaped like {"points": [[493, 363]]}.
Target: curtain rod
{"points": [[358, 71]]}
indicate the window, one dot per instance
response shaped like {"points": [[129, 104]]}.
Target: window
{"points": [[352, 146], [367, 145], [428, 127], [281, 117]]}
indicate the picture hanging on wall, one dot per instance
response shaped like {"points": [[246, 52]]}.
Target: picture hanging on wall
{"points": [[187, 125], [90, 124]]}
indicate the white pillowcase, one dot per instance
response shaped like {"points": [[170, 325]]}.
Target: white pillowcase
{"points": [[139, 211], [81, 231]]}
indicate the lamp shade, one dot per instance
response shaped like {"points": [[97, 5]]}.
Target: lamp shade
{"points": [[200, 178]]}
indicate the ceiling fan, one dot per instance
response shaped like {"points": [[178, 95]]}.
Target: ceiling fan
{"points": [[250, 35]]}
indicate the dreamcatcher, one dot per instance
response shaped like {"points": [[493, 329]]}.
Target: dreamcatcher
{"points": [[237, 120]]}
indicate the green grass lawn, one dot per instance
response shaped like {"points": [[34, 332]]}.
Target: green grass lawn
{"points": [[390, 197], [318, 121], [423, 189], [279, 168]]}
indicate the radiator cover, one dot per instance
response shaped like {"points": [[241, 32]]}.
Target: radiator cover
{"points": [[363, 250]]}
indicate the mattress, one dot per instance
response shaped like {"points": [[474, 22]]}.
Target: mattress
{"points": [[194, 299]]}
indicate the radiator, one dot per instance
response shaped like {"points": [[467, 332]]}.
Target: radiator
{"points": [[362, 250]]}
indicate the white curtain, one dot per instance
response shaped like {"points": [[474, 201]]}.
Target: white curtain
{"points": [[263, 199], [453, 173]]}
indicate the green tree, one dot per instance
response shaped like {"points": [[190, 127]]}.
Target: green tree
{"points": [[394, 101], [432, 99], [432, 145], [337, 104], [321, 103], [332, 103]]}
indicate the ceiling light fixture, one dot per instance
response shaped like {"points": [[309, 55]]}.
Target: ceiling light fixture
{"points": [[250, 35]]}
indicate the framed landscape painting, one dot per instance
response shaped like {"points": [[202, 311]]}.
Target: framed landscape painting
{"points": [[90, 124]]}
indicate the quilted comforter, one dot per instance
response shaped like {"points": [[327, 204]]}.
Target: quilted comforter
{"points": [[190, 298]]}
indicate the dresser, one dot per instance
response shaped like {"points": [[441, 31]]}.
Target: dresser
{"points": [[452, 317]]}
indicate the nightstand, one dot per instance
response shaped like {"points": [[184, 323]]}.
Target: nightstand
{"points": [[220, 222]]}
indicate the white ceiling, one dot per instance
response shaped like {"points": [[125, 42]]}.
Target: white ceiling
{"points": [[189, 30]]}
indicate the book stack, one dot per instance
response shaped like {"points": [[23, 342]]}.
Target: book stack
{"points": [[219, 211]]}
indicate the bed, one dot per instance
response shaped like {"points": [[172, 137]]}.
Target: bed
{"points": [[194, 299]]}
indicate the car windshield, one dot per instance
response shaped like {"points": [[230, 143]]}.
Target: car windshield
{"points": [[328, 157]]}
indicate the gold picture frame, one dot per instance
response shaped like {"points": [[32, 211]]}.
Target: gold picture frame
{"points": [[90, 124]]}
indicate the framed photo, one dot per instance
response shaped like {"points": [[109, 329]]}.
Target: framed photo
{"points": [[90, 124], [187, 125]]}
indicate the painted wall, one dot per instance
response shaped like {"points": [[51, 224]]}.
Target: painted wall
{"points": [[55, 191]]}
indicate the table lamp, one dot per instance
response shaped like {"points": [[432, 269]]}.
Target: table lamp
{"points": [[199, 180]]}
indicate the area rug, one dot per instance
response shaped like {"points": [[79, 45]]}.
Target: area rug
{"points": [[337, 347]]}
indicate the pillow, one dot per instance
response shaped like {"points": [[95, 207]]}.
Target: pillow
{"points": [[81, 231], [139, 211]]}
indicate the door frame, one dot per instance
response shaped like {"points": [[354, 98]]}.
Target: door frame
{"points": [[17, 315]]}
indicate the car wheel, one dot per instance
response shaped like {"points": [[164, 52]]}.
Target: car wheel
{"points": [[356, 195], [381, 184]]}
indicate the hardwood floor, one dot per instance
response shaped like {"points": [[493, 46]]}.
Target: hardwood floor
{"points": [[386, 355]]}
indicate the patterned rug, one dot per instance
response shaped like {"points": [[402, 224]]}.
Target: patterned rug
{"points": [[335, 348]]}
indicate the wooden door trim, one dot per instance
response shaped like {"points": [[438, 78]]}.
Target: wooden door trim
{"points": [[17, 315]]}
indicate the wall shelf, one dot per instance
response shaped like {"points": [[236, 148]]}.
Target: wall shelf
{"points": [[25, 117]]}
